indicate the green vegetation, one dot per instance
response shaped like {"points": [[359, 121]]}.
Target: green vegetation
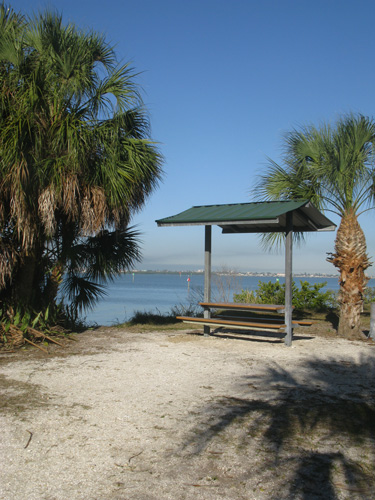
{"points": [[150, 318], [76, 162], [306, 297], [333, 166], [369, 295]]}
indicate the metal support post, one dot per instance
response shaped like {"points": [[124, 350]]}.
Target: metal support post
{"points": [[288, 278], [207, 273]]}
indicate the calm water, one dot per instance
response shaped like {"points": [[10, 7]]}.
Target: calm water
{"points": [[160, 292]]}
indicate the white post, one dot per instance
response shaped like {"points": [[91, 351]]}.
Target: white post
{"points": [[372, 321]]}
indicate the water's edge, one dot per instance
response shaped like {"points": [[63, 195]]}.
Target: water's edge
{"points": [[160, 292]]}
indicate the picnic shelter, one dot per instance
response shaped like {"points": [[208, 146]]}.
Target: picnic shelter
{"points": [[285, 217]]}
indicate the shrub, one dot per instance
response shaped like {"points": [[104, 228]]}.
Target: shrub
{"points": [[245, 297], [369, 295], [308, 296]]}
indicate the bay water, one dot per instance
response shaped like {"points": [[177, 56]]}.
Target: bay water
{"points": [[160, 292]]}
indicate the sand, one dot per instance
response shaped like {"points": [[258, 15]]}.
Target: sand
{"points": [[176, 415]]}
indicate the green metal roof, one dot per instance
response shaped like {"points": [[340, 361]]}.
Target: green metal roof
{"points": [[258, 217]]}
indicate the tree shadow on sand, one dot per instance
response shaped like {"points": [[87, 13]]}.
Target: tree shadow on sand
{"points": [[311, 435]]}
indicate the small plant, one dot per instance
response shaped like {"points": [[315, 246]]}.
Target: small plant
{"points": [[191, 307], [20, 325]]}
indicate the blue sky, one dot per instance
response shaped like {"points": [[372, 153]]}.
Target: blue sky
{"points": [[223, 81]]}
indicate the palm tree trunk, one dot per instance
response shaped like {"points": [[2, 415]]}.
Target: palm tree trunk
{"points": [[351, 259], [53, 284], [23, 284]]}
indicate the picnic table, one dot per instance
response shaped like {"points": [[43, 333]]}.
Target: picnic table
{"points": [[223, 320]]}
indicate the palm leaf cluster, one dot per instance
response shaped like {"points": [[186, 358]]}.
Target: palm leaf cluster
{"points": [[76, 160], [332, 166]]}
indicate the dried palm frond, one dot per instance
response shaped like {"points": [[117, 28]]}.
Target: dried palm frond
{"points": [[26, 229], [47, 206], [87, 215], [120, 217], [70, 196], [100, 208], [7, 261]]}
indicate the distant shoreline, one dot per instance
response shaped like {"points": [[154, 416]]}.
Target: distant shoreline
{"points": [[249, 273]]}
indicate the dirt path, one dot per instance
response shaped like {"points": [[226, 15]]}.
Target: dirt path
{"points": [[171, 415]]}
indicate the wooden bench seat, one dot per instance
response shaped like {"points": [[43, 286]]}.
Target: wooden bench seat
{"points": [[268, 320], [257, 325], [243, 307]]}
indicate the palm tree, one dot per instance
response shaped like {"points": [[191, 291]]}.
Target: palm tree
{"points": [[334, 168], [76, 160]]}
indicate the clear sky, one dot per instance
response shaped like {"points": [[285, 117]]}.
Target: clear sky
{"points": [[223, 81]]}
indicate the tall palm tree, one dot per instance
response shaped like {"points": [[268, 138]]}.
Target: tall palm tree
{"points": [[76, 160], [334, 168]]}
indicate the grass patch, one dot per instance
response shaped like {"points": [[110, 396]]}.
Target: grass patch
{"points": [[149, 318], [146, 321]]}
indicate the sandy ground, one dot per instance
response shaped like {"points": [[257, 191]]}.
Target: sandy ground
{"points": [[175, 415]]}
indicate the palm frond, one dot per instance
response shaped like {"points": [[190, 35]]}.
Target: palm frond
{"points": [[81, 293], [106, 255], [332, 166], [275, 242], [292, 182]]}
